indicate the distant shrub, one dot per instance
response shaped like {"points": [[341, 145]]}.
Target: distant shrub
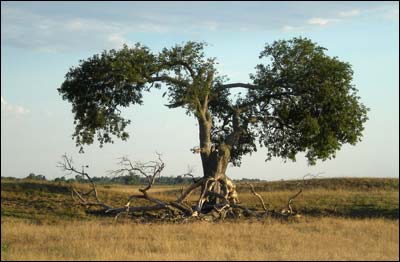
{"points": [[36, 177]]}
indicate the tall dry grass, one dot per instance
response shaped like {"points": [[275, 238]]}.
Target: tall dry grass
{"points": [[310, 239]]}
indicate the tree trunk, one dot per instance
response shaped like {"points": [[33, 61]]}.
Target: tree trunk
{"points": [[218, 163], [215, 162]]}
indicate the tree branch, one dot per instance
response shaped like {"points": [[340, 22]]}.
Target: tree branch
{"points": [[262, 98], [241, 85], [170, 80], [189, 190], [289, 210], [67, 165], [187, 67], [258, 196]]}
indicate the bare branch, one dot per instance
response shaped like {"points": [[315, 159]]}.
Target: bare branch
{"points": [[219, 188], [190, 173], [189, 190], [258, 196], [289, 210], [150, 170], [206, 187], [291, 199], [67, 165]]}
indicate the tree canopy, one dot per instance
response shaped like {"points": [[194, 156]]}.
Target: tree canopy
{"points": [[300, 99]]}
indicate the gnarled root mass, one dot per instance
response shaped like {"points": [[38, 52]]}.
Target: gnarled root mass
{"points": [[218, 198]]}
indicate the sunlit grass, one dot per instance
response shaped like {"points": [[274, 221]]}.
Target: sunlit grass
{"points": [[309, 239], [40, 221]]}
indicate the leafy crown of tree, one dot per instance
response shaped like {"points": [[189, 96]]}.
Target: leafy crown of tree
{"points": [[300, 99]]}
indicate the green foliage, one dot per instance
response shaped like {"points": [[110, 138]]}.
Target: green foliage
{"points": [[4, 251], [307, 102], [301, 100], [100, 85], [343, 183], [59, 179], [130, 179], [36, 177]]}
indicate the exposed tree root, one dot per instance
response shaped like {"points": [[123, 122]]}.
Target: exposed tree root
{"points": [[212, 204]]}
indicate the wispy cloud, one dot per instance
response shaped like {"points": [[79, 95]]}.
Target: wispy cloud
{"points": [[386, 12], [75, 25], [309, 24], [8, 108], [117, 40], [289, 28], [350, 13], [321, 21], [25, 29]]}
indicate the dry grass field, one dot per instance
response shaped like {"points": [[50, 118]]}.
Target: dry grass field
{"points": [[342, 219], [311, 239]]}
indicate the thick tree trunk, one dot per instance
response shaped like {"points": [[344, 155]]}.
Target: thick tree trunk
{"points": [[215, 162], [217, 186]]}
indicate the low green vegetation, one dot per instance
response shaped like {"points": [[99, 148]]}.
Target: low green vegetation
{"points": [[43, 201], [4, 251]]}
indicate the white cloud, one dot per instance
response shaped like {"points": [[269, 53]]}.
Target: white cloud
{"points": [[289, 28], [24, 29], [351, 13], [98, 27], [12, 109], [117, 40], [388, 12], [321, 21]]}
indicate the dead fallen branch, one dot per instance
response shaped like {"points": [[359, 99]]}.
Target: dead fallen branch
{"points": [[258, 196], [217, 200]]}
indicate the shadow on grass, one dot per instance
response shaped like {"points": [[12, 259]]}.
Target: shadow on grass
{"points": [[30, 187], [22, 205], [356, 211]]}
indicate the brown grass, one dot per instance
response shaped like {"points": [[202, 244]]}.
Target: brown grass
{"points": [[308, 239], [41, 222]]}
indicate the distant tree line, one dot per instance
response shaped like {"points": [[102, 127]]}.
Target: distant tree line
{"points": [[133, 179], [130, 179], [33, 176]]}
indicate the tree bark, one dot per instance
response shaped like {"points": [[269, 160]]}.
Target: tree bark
{"points": [[214, 159], [215, 162]]}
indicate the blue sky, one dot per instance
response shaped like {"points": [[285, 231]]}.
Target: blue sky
{"points": [[40, 41]]}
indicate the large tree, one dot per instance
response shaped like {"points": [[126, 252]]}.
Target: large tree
{"points": [[299, 100]]}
